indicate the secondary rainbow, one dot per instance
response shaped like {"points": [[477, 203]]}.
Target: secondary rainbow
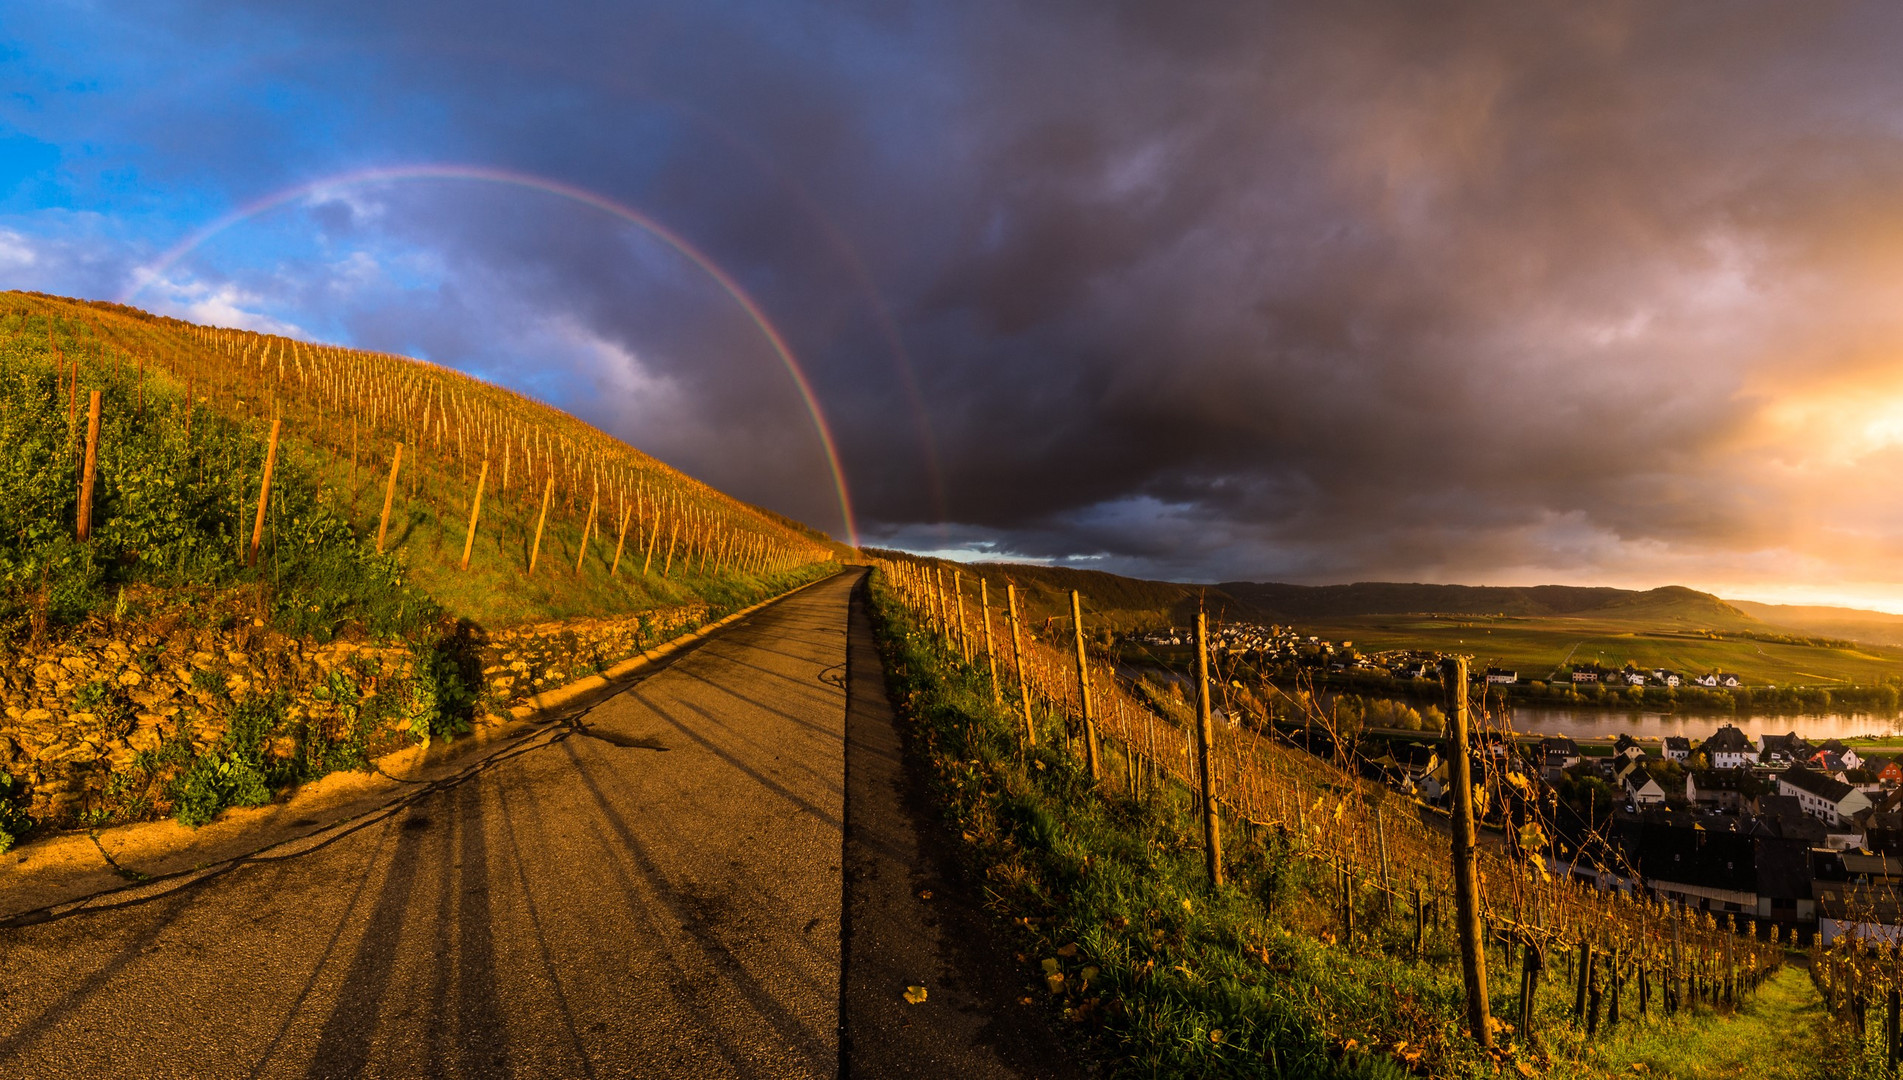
{"points": [[156, 269]]}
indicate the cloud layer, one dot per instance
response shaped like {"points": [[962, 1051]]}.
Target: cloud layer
{"points": [[1492, 293]]}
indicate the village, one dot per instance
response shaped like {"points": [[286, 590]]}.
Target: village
{"points": [[1773, 829]]}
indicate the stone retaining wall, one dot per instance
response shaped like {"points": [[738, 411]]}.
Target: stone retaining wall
{"points": [[79, 720]]}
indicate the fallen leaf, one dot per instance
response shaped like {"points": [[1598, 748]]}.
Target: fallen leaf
{"points": [[1350, 1045], [1050, 965], [1186, 906], [1024, 1001], [1068, 951], [914, 995], [1215, 1035], [926, 895], [1525, 1069], [1055, 980]]}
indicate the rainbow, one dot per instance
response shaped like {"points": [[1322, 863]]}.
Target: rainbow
{"points": [[156, 269]]}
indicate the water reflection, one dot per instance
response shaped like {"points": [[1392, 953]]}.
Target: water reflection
{"points": [[1596, 723]]}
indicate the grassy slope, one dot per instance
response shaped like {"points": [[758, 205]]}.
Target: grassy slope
{"points": [[1780, 1035], [1875, 627], [1160, 976], [430, 515]]}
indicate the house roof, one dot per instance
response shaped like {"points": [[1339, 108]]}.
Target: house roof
{"points": [[1728, 740], [1784, 868], [1783, 816], [1684, 856], [1816, 783], [1678, 742], [1718, 779]]}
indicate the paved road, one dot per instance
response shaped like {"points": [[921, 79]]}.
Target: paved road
{"points": [[657, 889]]}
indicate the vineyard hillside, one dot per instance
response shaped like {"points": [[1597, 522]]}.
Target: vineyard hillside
{"points": [[231, 562], [187, 414]]}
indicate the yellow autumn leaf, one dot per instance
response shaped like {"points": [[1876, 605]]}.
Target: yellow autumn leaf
{"points": [[1055, 980], [1050, 965], [914, 995], [1525, 1069], [1215, 1035]]}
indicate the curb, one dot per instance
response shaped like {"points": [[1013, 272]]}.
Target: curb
{"points": [[594, 685], [602, 685]]}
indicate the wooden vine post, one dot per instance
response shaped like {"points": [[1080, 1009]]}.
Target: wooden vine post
{"points": [[991, 657], [1017, 664], [1206, 773], [1083, 687], [622, 540], [475, 513], [264, 492], [389, 497], [92, 460], [1473, 956], [535, 550], [587, 526], [958, 592]]}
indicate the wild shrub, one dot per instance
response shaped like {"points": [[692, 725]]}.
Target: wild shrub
{"points": [[14, 821], [234, 773]]}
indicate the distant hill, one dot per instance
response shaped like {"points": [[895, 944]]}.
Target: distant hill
{"points": [[1855, 624], [1672, 603]]}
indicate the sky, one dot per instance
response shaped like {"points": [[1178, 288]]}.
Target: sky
{"points": [[1483, 293]]}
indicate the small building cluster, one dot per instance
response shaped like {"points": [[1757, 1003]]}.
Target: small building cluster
{"points": [[1776, 827]]}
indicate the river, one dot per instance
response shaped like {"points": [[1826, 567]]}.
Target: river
{"points": [[1606, 723]]}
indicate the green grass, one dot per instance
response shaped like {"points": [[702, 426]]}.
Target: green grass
{"points": [[1782, 1034], [1163, 976]]}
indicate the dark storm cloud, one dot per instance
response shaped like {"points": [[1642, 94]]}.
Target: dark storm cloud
{"points": [[1325, 291]]}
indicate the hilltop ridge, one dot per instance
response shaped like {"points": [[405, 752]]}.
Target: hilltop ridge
{"points": [[1670, 602]]}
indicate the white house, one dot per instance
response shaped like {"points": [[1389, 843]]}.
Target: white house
{"points": [[1829, 800], [1728, 749], [1677, 748], [1642, 789]]}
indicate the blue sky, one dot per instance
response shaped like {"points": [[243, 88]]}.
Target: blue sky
{"points": [[1280, 292]]}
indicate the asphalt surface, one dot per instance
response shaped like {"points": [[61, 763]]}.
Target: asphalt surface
{"points": [[659, 888]]}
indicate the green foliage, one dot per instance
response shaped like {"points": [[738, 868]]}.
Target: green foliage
{"points": [[233, 773], [210, 681], [447, 684], [14, 821], [170, 508]]}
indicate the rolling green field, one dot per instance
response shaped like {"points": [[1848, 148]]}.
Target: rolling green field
{"points": [[1537, 646]]}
